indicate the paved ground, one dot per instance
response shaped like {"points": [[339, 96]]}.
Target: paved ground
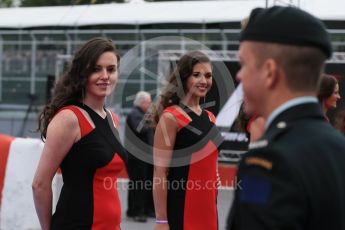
{"points": [[224, 199], [27, 223]]}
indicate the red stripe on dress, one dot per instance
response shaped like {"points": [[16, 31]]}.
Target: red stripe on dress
{"points": [[211, 116], [181, 119], [84, 124], [115, 120], [5, 143], [227, 174], [200, 210], [106, 202]]}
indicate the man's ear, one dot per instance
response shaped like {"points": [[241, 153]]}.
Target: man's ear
{"points": [[271, 72]]}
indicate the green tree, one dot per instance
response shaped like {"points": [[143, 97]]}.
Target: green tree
{"points": [[5, 3], [63, 2]]}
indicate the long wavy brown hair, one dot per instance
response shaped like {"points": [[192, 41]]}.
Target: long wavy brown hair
{"points": [[175, 88], [327, 86], [71, 86]]}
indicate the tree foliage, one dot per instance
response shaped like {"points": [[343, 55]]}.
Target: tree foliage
{"points": [[63, 2], [5, 3]]}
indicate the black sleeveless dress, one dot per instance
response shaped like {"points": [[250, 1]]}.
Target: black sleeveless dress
{"points": [[192, 178], [89, 198]]}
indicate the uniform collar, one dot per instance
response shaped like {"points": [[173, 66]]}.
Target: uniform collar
{"points": [[300, 111], [287, 105]]}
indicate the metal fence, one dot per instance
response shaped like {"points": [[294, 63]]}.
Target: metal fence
{"points": [[28, 57]]}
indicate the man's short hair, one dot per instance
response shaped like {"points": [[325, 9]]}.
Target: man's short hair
{"points": [[140, 97], [303, 66], [295, 39]]}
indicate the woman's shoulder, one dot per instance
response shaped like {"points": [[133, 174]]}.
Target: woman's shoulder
{"points": [[66, 116], [177, 114], [176, 110], [172, 108], [168, 113], [76, 117], [63, 132], [63, 124]]}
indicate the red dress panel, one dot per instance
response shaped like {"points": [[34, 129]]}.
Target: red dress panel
{"points": [[89, 199], [192, 179]]}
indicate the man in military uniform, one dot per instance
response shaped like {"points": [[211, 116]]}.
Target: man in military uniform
{"points": [[294, 176]]}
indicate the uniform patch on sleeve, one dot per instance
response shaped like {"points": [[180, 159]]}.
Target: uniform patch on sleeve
{"points": [[254, 190], [259, 162]]}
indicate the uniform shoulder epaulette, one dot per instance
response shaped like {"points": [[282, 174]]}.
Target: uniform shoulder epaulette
{"points": [[258, 144], [276, 131]]}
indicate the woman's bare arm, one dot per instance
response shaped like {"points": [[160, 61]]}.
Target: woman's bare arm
{"points": [[164, 141], [63, 131]]}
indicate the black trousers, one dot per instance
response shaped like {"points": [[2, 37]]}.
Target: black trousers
{"points": [[140, 200]]}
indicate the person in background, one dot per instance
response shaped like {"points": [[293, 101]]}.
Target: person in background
{"points": [[253, 126], [81, 139], [328, 94], [256, 128], [293, 177], [185, 149], [140, 200], [241, 122]]}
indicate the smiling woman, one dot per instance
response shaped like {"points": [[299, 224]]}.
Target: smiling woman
{"points": [[82, 143], [103, 79], [328, 94], [186, 149]]}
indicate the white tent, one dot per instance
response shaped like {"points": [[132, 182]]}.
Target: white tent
{"points": [[140, 12]]}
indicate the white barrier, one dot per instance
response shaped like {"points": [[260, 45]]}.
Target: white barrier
{"points": [[17, 211]]}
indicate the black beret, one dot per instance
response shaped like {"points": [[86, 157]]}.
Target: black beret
{"points": [[287, 25]]}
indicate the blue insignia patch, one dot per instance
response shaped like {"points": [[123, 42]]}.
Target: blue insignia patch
{"points": [[254, 190]]}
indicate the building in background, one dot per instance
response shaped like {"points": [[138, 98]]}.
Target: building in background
{"points": [[36, 43]]}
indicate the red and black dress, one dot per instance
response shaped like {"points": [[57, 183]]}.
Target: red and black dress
{"points": [[89, 199], [192, 179]]}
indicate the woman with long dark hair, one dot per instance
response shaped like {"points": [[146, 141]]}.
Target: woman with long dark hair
{"points": [[328, 94], [185, 149], [80, 139]]}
